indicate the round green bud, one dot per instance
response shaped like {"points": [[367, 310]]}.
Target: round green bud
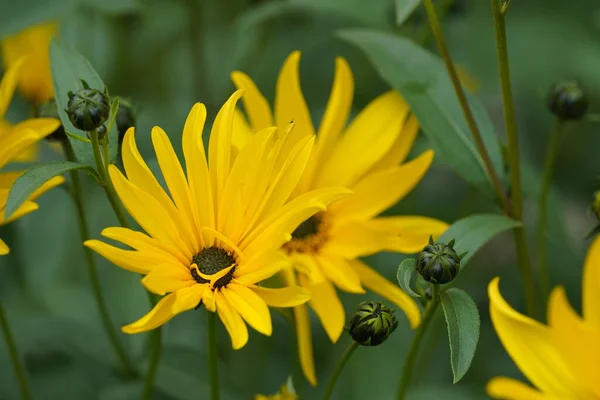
{"points": [[568, 100], [125, 118], [88, 108], [438, 262], [50, 110], [372, 323]]}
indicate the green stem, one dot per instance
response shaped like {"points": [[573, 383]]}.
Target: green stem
{"points": [[464, 104], [411, 357], [155, 352], [92, 270], [14, 356], [213, 358], [551, 153], [198, 62], [513, 156], [338, 369]]}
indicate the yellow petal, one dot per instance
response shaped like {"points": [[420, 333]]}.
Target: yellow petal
{"points": [[375, 282], [591, 283], [251, 307], [29, 155], [163, 279], [15, 143], [354, 239], [49, 184], [209, 300], [410, 233], [163, 253], [261, 267], [340, 273], [256, 106], [529, 344], [24, 209], [238, 332], [188, 298], [328, 307], [8, 85], [512, 389], [241, 132], [131, 260], [159, 315], [42, 126], [289, 296], [306, 264], [381, 190], [368, 138], [4, 250], [400, 149]]}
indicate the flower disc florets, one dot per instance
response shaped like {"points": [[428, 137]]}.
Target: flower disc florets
{"points": [[372, 323], [210, 261]]}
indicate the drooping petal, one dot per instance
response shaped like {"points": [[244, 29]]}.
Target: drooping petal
{"points": [[340, 273], [163, 253], [4, 250], [328, 307], [24, 209], [159, 315], [131, 260], [591, 283], [529, 344], [375, 282], [163, 279], [188, 298], [512, 389], [256, 106], [289, 296], [251, 307], [238, 332], [8, 84]]}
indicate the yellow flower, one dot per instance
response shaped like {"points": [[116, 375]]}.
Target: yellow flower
{"points": [[14, 139], [367, 156], [35, 78], [219, 232], [283, 394], [560, 359]]}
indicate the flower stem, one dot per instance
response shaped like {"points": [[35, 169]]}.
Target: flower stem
{"points": [[551, 153], [198, 62], [155, 352], [14, 356], [411, 357], [211, 330], [338, 369], [464, 104], [513, 155], [92, 270]]}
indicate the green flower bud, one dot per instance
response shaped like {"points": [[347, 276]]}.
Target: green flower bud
{"points": [[372, 323], [88, 108], [50, 110], [125, 118], [568, 100], [438, 263]]}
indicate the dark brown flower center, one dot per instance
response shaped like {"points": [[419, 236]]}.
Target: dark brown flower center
{"points": [[310, 235], [212, 260]]}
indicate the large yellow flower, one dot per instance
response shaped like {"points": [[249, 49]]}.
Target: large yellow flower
{"points": [[560, 359], [218, 234], [14, 139], [35, 78], [368, 157]]}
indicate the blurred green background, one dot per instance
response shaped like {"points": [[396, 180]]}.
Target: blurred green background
{"points": [[143, 50]]}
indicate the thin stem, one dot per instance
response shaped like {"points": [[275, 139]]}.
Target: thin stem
{"points": [[411, 357], [92, 269], [14, 356], [198, 62], [513, 157], [211, 328], [338, 369], [155, 352], [551, 153], [464, 104]]}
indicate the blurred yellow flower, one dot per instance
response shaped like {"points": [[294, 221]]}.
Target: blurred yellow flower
{"points": [[367, 156], [14, 139], [559, 359], [283, 394], [35, 78], [218, 233]]}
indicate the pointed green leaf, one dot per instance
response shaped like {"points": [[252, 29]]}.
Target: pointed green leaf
{"points": [[423, 81], [404, 275], [35, 177], [112, 117], [462, 320], [474, 231], [69, 68], [404, 9]]}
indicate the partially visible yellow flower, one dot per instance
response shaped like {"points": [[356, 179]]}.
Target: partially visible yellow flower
{"points": [[284, 393], [217, 236], [35, 77], [561, 359], [14, 139], [367, 156]]}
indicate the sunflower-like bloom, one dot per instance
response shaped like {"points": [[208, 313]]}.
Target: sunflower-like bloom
{"points": [[14, 139], [218, 233], [559, 359], [368, 157], [35, 78]]}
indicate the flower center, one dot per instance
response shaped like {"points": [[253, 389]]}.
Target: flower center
{"points": [[210, 261], [310, 235]]}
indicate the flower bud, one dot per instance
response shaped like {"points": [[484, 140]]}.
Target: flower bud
{"points": [[88, 108], [438, 263], [50, 110], [372, 323], [125, 118], [568, 100]]}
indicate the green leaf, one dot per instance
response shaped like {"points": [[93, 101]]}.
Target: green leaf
{"points": [[69, 68], [474, 231], [406, 269], [462, 320], [22, 14], [422, 80], [35, 177], [112, 117], [404, 9]]}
